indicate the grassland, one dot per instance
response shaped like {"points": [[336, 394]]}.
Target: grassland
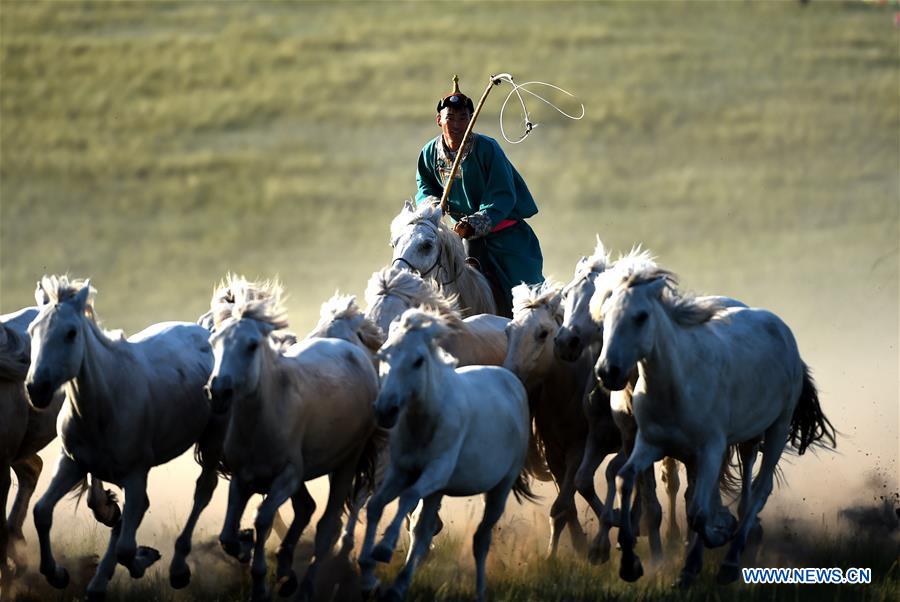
{"points": [[753, 146]]}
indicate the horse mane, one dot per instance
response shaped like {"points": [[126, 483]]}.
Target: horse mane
{"points": [[432, 323], [414, 291], [237, 297], [545, 294], [15, 354], [684, 309], [344, 307], [597, 262], [58, 289]]}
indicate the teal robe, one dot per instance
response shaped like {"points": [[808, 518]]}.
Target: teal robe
{"points": [[488, 184]]}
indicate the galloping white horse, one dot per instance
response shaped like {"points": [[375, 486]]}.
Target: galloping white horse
{"points": [[558, 393], [423, 243], [455, 432], [294, 415], [476, 340], [711, 376], [611, 430], [24, 431], [130, 405]]}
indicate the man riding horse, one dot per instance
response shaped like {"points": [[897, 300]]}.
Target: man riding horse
{"points": [[488, 202]]}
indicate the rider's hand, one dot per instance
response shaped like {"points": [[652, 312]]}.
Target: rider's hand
{"points": [[464, 229]]}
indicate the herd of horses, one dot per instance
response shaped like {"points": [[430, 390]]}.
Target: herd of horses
{"points": [[424, 394]]}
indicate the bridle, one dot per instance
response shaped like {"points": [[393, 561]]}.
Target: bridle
{"points": [[434, 266]]}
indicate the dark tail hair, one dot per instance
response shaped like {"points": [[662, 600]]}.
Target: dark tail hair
{"points": [[103, 504], [809, 426], [366, 468], [522, 488], [730, 480]]}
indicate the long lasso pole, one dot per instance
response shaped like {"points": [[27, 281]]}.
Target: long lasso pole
{"points": [[494, 81]]}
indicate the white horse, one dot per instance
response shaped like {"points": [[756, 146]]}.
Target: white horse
{"points": [[476, 340], [294, 415], [611, 430], [559, 394], [455, 432], [423, 243], [130, 405], [711, 376], [341, 318], [24, 431]]}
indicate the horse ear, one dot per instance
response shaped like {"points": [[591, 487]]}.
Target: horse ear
{"points": [[657, 285], [408, 205], [81, 297], [40, 295]]}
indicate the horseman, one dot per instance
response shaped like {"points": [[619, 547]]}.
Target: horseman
{"points": [[488, 201]]}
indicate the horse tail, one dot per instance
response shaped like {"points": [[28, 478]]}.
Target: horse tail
{"points": [[522, 488], [535, 460], [369, 468], [102, 502], [730, 476], [809, 425], [15, 355]]}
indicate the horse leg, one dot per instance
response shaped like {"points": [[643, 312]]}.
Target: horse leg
{"points": [[27, 472], [642, 456], [567, 492], [773, 445], [705, 511], [102, 503], [210, 452], [669, 476], [693, 562], [66, 477], [5, 572], [494, 504], [304, 506], [651, 512], [559, 510], [128, 554], [329, 526], [283, 487], [599, 552], [432, 478], [422, 534], [394, 482], [96, 589], [235, 543]]}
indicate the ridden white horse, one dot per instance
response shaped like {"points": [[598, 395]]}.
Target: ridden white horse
{"points": [[611, 430], [24, 431], [423, 243], [710, 376], [130, 405], [294, 415], [455, 432], [558, 393]]}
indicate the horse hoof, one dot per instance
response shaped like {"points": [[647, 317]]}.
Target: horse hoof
{"points": [[180, 579], [382, 553], [59, 578], [144, 557], [631, 571], [288, 585], [599, 554], [90, 596], [728, 573]]}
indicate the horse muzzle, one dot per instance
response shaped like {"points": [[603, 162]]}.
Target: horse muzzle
{"points": [[611, 376], [220, 392], [40, 393], [567, 344], [386, 414]]}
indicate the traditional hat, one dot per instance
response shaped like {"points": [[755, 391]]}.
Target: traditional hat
{"points": [[455, 99]]}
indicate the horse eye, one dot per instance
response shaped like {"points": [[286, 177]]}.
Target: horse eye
{"points": [[71, 334], [252, 347], [425, 247], [543, 334], [640, 318], [418, 363]]}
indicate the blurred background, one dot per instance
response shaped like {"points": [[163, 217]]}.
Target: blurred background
{"points": [[751, 146]]}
